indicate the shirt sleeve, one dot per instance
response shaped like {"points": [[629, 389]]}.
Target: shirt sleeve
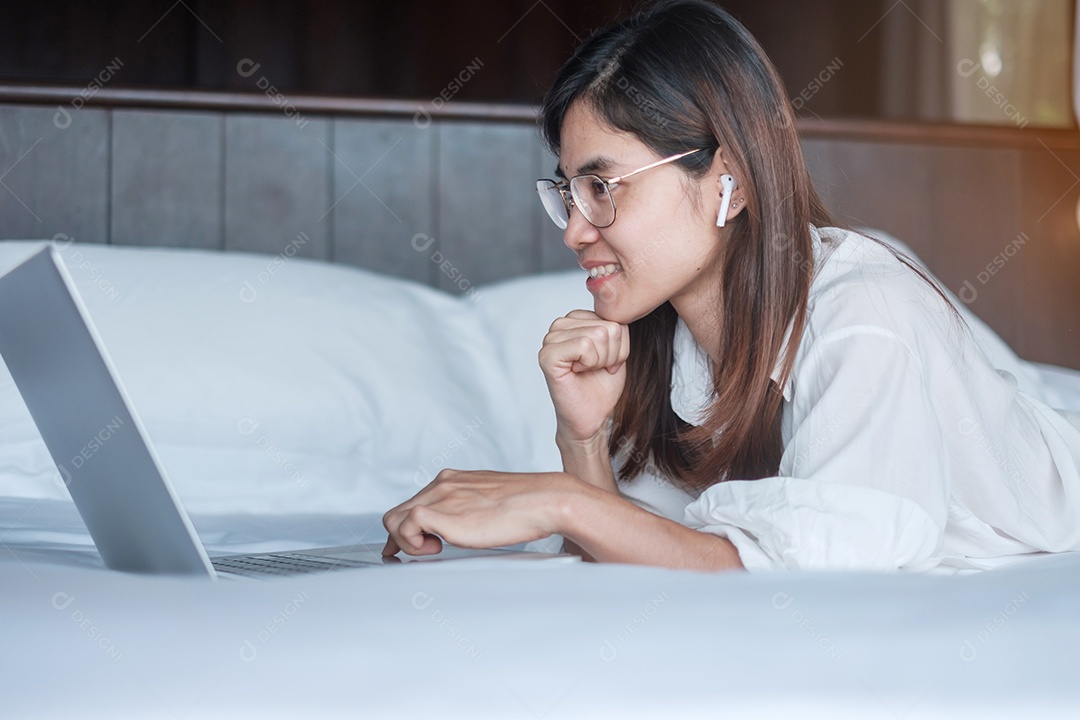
{"points": [[863, 481]]}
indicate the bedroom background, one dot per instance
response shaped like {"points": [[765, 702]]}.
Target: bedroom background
{"points": [[368, 134], [308, 236]]}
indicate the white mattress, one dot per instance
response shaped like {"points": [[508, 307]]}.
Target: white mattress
{"points": [[482, 639], [510, 639]]}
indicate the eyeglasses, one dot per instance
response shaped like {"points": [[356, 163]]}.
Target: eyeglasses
{"points": [[591, 194]]}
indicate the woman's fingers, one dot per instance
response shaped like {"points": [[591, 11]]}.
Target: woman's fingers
{"points": [[412, 525], [407, 531], [580, 342], [623, 352], [576, 348], [431, 545], [391, 547]]}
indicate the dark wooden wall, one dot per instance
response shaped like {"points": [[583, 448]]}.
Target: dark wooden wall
{"points": [[405, 48], [993, 212], [447, 199]]}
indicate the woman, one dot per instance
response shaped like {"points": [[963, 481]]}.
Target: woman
{"points": [[775, 391]]}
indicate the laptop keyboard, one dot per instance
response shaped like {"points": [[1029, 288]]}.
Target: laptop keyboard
{"points": [[283, 564]]}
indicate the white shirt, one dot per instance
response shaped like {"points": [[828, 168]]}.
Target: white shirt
{"points": [[904, 447]]}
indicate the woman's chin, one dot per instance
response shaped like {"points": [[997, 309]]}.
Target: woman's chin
{"points": [[621, 315]]}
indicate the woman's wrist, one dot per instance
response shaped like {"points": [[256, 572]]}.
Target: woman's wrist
{"points": [[588, 461], [591, 453], [588, 446], [574, 502]]}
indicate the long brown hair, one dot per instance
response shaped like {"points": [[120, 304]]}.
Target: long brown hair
{"points": [[684, 75]]}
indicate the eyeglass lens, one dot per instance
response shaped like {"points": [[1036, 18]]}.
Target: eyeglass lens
{"points": [[591, 196], [552, 198]]}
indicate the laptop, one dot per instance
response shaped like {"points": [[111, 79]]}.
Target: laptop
{"points": [[120, 488]]}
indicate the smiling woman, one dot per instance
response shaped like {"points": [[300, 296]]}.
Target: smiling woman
{"points": [[796, 394]]}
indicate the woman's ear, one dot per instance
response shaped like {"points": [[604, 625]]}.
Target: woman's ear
{"points": [[730, 206]]}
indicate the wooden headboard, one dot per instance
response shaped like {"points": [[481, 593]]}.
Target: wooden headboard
{"points": [[993, 211], [443, 194]]}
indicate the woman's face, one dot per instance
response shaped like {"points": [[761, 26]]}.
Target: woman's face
{"points": [[664, 241]]}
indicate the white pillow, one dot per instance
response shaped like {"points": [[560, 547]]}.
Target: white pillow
{"points": [[518, 314], [277, 384]]}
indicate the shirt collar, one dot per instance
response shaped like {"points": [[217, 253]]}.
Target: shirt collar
{"points": [[691, 370]]}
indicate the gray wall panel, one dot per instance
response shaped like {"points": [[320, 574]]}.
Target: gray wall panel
{"points": [[384, 194], [167, 178], [373, 192], [277, 185], [486, 203], [54, 172], [554, 255]]}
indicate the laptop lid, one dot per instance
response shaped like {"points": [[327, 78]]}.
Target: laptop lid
{"points": [[95, 437]]}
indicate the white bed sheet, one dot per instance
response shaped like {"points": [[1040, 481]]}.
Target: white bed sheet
{"points": [[518, 639], [507, 639]]}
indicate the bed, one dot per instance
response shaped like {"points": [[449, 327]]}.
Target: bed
{"points": [[293, 416], [296, 387]]}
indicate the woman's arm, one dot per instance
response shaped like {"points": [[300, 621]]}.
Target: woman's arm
{"points": [[590, 462], [595, 525], [583, 358], [610, 528], [483, 509]]}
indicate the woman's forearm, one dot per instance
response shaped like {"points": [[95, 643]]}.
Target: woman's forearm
{"points": [[609, 528], [589, 462]]}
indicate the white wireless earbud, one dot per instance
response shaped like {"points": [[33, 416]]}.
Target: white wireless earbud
{"points": [[728, 183]]}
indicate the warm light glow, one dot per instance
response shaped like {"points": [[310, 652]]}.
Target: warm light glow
{"points": [[990, 57]]}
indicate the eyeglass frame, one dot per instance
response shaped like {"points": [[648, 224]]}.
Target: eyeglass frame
{"points": [[565, 189]]}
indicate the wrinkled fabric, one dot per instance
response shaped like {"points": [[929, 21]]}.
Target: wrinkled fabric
{"points": [[904, 446]]}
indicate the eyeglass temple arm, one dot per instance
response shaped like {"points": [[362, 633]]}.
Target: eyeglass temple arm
{"points": [[650, 166]]}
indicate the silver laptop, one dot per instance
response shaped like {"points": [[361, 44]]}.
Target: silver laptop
{"points": [[70, 385]]}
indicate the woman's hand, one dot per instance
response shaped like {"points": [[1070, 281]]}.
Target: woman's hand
{"points": [[584, 362], [478, 509], [484, 509]]}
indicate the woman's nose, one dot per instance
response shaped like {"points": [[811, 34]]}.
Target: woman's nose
{"points": [[579, 232]]}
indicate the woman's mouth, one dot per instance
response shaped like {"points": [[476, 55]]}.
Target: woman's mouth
{"points": [[602, 270], [600, 275]]}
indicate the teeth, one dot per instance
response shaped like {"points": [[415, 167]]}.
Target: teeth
{"points": [[602, 270]]}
